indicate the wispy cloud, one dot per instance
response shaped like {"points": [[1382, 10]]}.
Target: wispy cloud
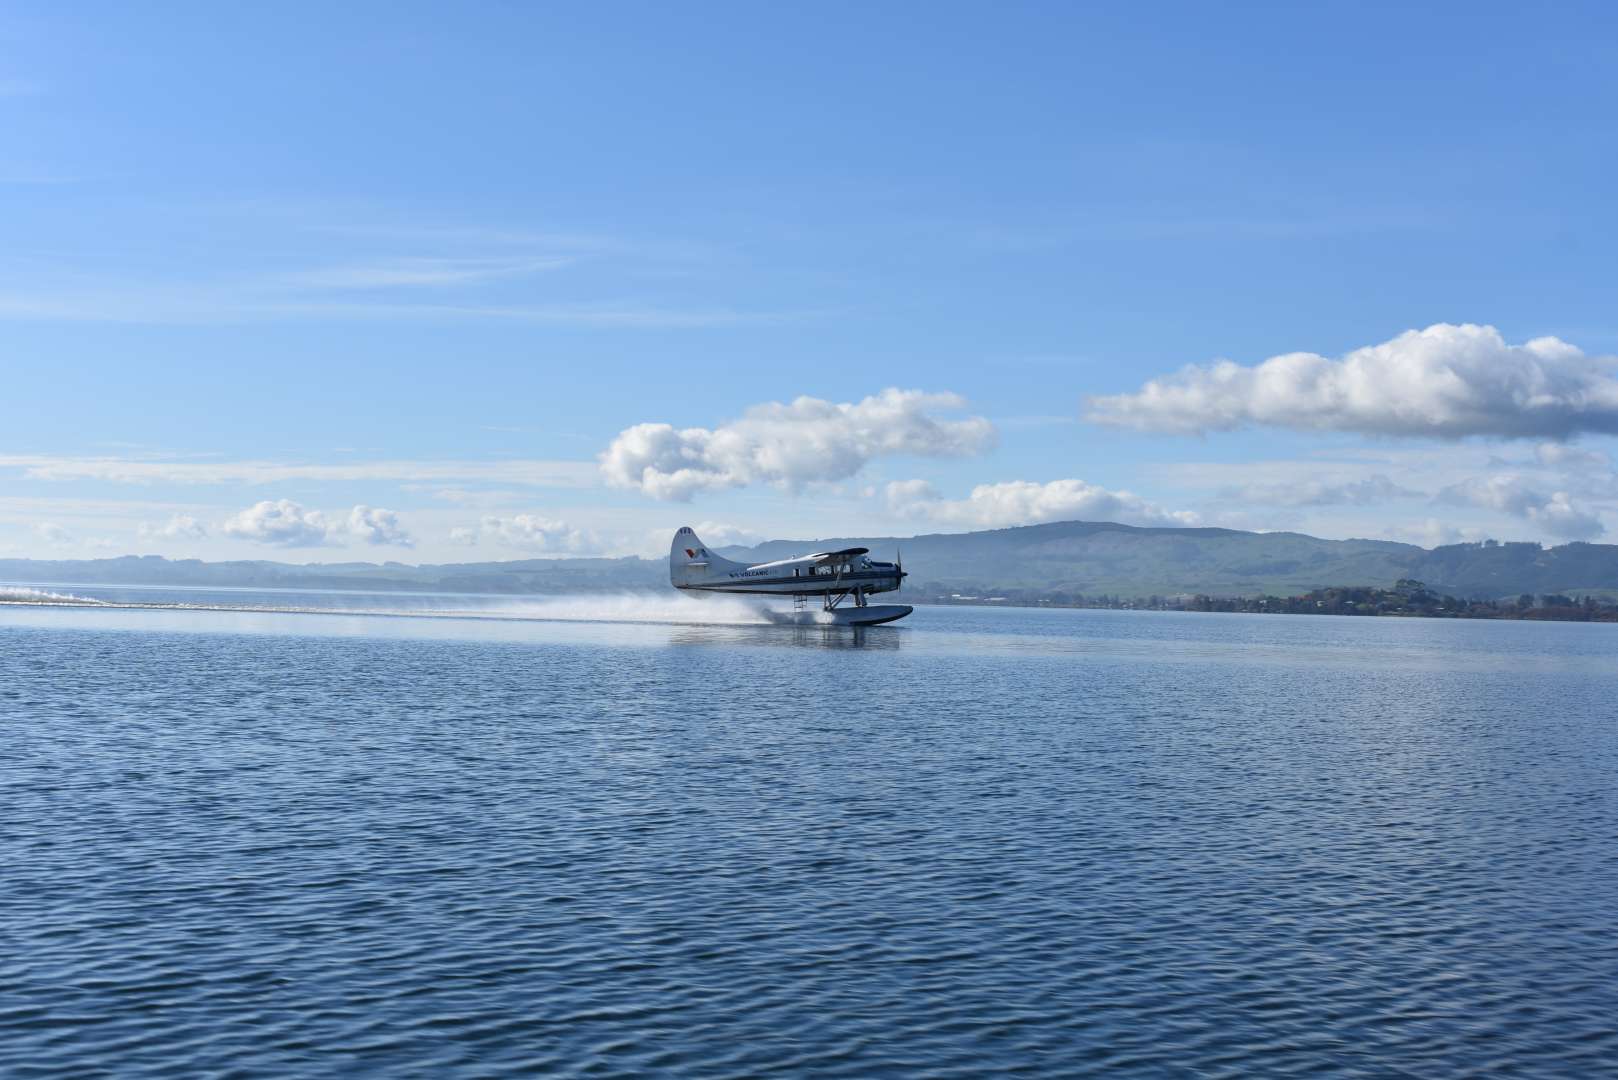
{"points": [[528, 473], [415, 272], [484, 498], [60, 507], [420, 274], [451, 236], [1563, 456], [604, 315], [529, 533], [178, 527], [53, 534], [201, 306], [1316, 492], [1555, 512]]}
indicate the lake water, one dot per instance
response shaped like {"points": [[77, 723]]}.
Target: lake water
{"points": [[481, 837]]}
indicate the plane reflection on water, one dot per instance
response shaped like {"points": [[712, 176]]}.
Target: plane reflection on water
{"points": [[812, 637]]}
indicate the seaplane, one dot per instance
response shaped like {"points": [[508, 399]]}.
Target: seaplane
{"points": [[842, 580]]}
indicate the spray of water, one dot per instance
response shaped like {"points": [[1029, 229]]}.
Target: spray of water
{"points": [[23, 594], [624, 607], [671, 607]]}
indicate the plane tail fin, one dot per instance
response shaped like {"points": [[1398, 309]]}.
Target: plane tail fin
{"points": [[691, 562]]}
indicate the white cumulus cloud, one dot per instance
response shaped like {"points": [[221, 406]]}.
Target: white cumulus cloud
{"points": [[284, 523], [377, 526], [178, 527], [1023, 502], [528, 532], [791, 445], [1509, 493], [281, 522], [1446, 381]]}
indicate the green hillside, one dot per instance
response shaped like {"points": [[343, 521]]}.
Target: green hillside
{"points": [[1035, 562], [1102, 558]]}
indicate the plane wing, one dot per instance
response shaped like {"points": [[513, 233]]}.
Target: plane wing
{"points": [[846, 553], [819, 558]]}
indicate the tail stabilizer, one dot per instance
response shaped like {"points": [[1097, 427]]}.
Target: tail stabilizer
{"points": [[691, 562]]}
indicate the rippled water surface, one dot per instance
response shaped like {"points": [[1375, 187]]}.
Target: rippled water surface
{"points": [[272, 842]]}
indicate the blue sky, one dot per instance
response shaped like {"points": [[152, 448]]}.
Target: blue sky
{"points": [[404, 281]]}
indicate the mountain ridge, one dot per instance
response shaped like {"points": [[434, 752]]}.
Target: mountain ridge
{"points": [[1048, 562]]}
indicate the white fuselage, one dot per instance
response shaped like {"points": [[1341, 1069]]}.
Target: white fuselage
{"points": [[835, 576], [800, 577], [692, 566]]}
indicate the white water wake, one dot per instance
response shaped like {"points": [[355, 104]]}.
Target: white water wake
{"points": [[679, 608], [23, 594], [621, 607]]}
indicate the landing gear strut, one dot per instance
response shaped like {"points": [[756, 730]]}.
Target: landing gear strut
{"points": [[858, 593]]}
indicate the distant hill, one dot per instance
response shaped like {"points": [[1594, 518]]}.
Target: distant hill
{"points": [[1102, 558], [1036, 562], [1083, 557]]}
